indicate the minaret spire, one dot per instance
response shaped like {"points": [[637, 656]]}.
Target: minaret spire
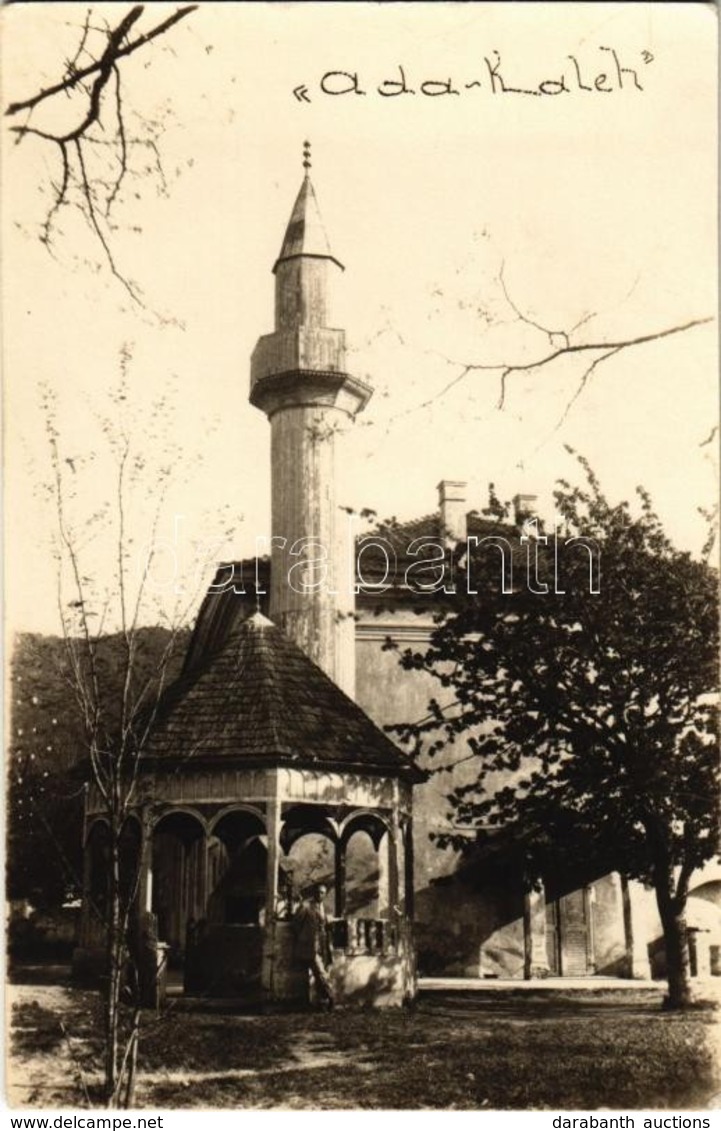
{"points": [[298, 379], [305, 234]]}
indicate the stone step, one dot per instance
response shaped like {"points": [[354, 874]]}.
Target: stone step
{"points": [[539, 985]]}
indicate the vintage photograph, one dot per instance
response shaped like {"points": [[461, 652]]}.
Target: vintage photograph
{"points": [[361, 562]]}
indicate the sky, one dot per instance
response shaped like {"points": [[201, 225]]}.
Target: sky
{"points": [[589, 206]]}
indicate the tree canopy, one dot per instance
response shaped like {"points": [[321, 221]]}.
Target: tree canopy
{"points": [[589, 717]]}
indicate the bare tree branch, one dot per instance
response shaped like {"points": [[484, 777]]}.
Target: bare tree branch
{"points": [[79, 185], [605, 349], [123, 144], [93, 217], [71, 80], [589, 347], [711, 436], [585, 377], [104, 67]]}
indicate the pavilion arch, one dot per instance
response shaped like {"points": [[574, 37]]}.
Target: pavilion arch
{"points": [[180, 811], [132, 820], [299, 820], [360, 874], [239, 808], [96, 823], [236, 867], [97, 856], [310, 860], [362, 870], [179, 844], [308, 842], [130, 845], [370, 821], [97, 872]]}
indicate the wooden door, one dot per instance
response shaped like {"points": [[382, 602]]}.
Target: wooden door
{"points": [[568, 937], [574, 934], [553, 937]]}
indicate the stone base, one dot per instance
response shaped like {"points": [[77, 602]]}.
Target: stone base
{"points": [[226, 963], [358, 979], [89, 965], [638, 969], [373, 980], [229, 963], [539, 971]]}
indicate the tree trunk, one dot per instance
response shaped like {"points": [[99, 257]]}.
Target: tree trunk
{"points": [[131, 1057], [673, 920], [115, 972]]}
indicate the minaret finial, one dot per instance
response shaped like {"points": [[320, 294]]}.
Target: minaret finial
{"points": [[306, 155]]}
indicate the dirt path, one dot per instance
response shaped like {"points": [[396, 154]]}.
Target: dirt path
{"points": [[44, 1062], [452, 1051], [311, 1051], [45, 1066]]}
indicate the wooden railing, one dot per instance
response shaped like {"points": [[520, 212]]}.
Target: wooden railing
{"points": [[364, 936]]}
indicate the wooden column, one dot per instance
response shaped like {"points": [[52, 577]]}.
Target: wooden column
{"points": [[86, 915], [394, 851], [273, 823], [203, 885], [409, 870], [340, 847], [145, 878], [85, 910], [589, 902], [637, 958], [535, 964]]}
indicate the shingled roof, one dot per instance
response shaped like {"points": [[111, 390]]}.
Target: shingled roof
{"points": [[261, 700]]}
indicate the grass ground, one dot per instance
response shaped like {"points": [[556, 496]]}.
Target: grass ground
{"points": [[454, 1051]]}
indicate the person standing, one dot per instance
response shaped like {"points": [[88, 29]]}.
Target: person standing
{"points": [[312, 942]]}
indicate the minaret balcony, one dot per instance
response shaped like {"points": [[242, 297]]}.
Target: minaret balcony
{"points": [[304, 366], [318, 349]]}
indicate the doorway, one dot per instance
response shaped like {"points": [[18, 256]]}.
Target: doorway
{"points": [[569, 935]]}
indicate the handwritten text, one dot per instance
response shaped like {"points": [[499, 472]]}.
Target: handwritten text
{"points": [[609, 73]]}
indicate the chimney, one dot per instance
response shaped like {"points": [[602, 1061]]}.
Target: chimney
{"points": [[524, 507], [452, 510]]}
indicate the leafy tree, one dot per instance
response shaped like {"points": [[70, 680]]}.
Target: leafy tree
{"points": [[590, 717]]}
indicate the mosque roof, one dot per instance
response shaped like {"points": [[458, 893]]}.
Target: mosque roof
{"points": [[227, 605], [259, 699]]}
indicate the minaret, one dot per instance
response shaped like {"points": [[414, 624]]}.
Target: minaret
{"points": [[298, 379]]}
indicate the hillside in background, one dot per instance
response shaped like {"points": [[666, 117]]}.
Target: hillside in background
{"points": [[44, 747]]}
